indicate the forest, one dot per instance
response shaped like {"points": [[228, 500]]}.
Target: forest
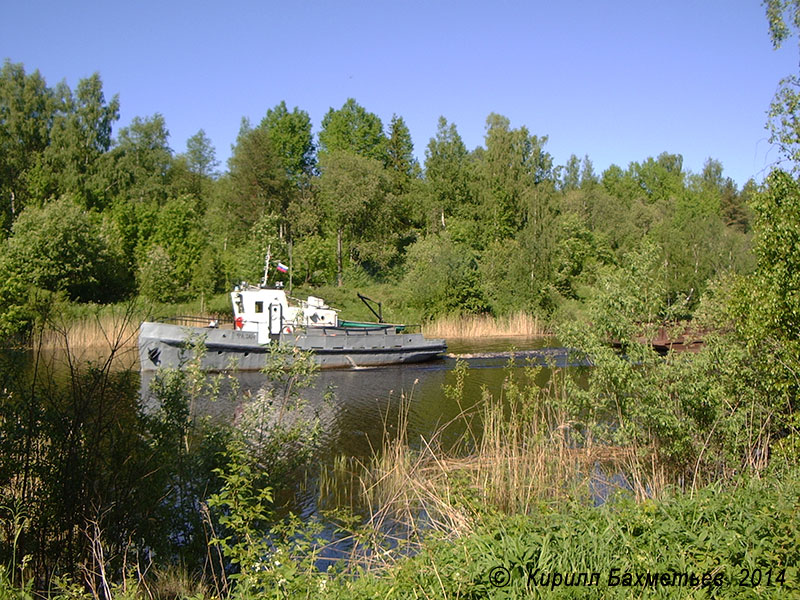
{"points": [[96, 215], [621, 473]]}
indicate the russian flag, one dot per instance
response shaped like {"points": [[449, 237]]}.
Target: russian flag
{"points": [[282, 267]]}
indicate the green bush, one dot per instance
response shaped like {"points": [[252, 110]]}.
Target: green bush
{"points": [[442, 278], [58, 248], [731, 535]]}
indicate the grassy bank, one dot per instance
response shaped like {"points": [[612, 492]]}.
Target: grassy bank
{"points": [[736, 542], [733, 541]]}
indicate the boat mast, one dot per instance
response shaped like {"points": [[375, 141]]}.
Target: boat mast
{"points": [[266, 267]]}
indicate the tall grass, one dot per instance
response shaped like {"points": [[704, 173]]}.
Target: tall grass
{"points": [[107, 336], [64, 325], [103, 332], [475, 326], [519, 452]]}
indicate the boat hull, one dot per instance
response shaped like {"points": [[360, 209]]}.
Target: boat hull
{"points": [[168, 346]]}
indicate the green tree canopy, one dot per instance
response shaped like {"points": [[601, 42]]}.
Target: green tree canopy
{"points": [[178, 231], [142, 161], [783, 17], [201, 157], [80, 136], [194, 170], [447, 173], [290, 136], [353, 129], [354, 191], [512, 166], [443, 277], [400, 154], [570, 174], [58, 248], [259, 181], [27, 109]]}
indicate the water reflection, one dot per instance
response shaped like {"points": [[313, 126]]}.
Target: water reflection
{"points": [[365, 404], [357, 407]]}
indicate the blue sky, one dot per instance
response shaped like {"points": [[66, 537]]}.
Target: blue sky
{"points": [[618, 81]]}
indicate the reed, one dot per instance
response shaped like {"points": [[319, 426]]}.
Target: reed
{"points": [[518, 453], [476, 326], [110, 336], [102, 332]]}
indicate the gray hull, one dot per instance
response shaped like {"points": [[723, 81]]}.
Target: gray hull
{"points": [[164, 345]]}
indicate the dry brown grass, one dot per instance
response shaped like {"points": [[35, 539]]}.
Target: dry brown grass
{"points": [[104, 332], [523, 455], [476, 326], [432, 488], [112, 335]]}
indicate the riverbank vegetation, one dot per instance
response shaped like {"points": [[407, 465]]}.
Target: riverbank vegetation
{"points": [[630, 475], [692, 460], [483, 325]]}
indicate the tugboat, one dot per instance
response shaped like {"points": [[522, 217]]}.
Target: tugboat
{"points": [[264, 316]]}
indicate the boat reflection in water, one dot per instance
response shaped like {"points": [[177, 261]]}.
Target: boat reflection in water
{"points": [[359, 410], [356, 407]]}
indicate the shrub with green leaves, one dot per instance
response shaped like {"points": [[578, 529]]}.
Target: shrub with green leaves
{"points": [[58, 248], [694, 417], [745, 535], [442, 277], [271, 557]]}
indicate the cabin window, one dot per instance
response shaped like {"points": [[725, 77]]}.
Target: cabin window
{"points": [[259, 307]]}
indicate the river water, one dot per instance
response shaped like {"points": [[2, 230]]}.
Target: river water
{"points": [[358, 408]]}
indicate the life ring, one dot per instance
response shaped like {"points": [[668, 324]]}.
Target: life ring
{"points": [[288, 329], [239, 322]]}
